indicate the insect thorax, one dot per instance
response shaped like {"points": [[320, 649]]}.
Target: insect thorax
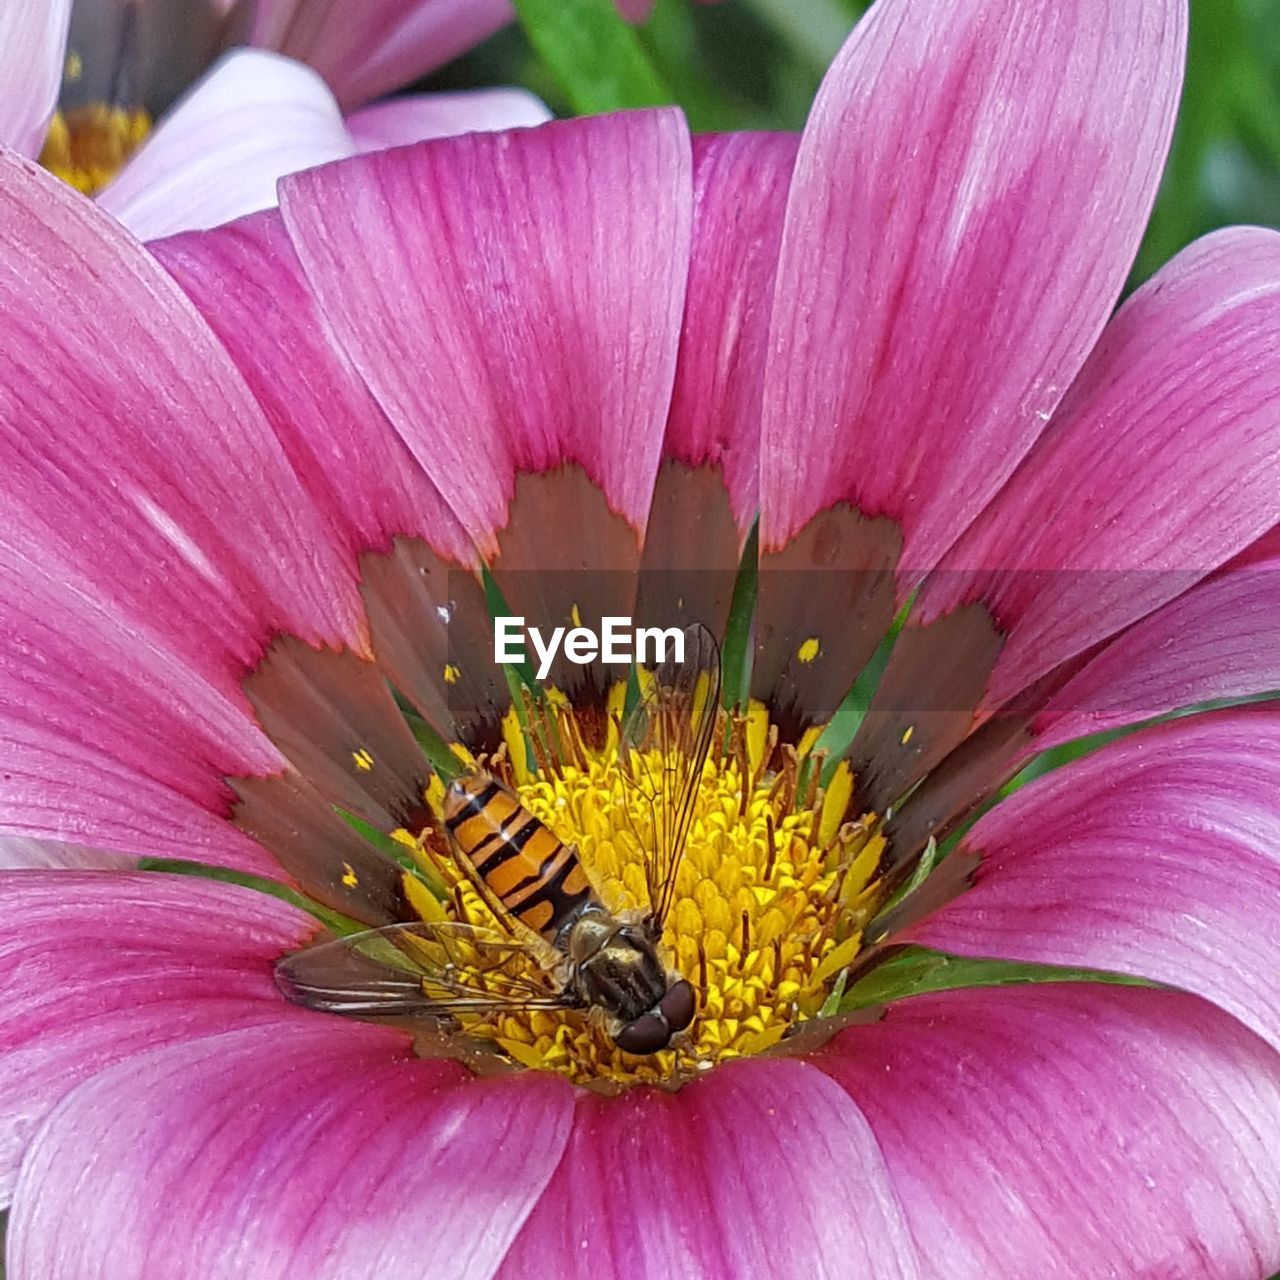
{"points": [[615, 966]]}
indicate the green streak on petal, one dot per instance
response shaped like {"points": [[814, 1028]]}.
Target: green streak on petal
{"points": [[597, 58], [836, 739], [434, 747], [917, 971], [735, 653], [393, 850], [520, 676], [496, 604]]}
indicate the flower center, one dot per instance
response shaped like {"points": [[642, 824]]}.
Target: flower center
{"points": [[771, 896], [88, 145]]}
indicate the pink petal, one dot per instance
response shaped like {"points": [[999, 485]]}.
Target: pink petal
{"points": [[152, 526], [246, 280], [525, 286], [1163, 458], [114, 740], [635, 10], [441, 115], [317, 1149], [1074, 1131], [1162, 463], [1158, 855], [739, 195], [139, 467], [366, 52], [1221, 639], [762, 1169], [248, 284], [219, 153], [98, 966], [33, 41], [970, 190], [55, 788]]}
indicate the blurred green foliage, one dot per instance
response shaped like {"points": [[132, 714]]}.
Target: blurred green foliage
{"points": [[755, 64]]}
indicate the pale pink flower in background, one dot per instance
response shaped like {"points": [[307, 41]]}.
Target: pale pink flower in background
{"points": [[254, 115], [247, 472], [367, 48]]}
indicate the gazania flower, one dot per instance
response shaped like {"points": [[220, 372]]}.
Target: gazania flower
{"points": [[262, 491], [252, 117]]}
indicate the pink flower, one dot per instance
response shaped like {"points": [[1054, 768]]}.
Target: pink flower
{"points": [[248, 482], [254, 115], [369, 49]]}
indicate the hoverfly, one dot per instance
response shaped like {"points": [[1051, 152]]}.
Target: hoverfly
{"points": [[558, 946]]}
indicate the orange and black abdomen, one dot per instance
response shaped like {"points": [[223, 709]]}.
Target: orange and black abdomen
{"points": [[535, 877]]}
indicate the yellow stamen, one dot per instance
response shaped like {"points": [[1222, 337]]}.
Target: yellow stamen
{"points": [[771, 899], [87, 146]]}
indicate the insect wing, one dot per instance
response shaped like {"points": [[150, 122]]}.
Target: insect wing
{"points": [[663, 747], [420, 968]]}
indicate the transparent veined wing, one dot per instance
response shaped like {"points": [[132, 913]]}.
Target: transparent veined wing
{"points": [[663, 747], [430, 968]]}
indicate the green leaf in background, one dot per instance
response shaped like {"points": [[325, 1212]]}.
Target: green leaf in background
{"points": [[917, 971], [595, 56], [1226, 150], [814, 29]]}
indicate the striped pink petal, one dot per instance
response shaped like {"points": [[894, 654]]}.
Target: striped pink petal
{"points": [[739, 197], [1162, 464], [423, 617], [248, 284], [1158, 855], [153, 539], [524, 287], [114, 739], [764, 1168], [1073, 1131], [318, 1149], [969, 194], [377, 46], [196, 527], [1221, 639], [96, 967]]}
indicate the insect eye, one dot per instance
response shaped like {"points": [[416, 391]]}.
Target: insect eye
{"points": [[647, 1034], [678, 1006]]}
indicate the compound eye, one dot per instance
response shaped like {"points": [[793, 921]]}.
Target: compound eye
{"points": [[678, 1006], [647, 1034]]}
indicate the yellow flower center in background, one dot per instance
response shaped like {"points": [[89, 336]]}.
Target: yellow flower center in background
{"points": [[772, 895], [87, 146]]}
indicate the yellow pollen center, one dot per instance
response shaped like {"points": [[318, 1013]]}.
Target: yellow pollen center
{"points": [[87, 146], [772, 895]]}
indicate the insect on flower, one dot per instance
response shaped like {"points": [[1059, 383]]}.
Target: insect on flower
{"points": [[559, 946]]}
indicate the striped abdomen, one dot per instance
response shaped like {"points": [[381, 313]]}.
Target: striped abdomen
{"points": [[535, 877]]}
